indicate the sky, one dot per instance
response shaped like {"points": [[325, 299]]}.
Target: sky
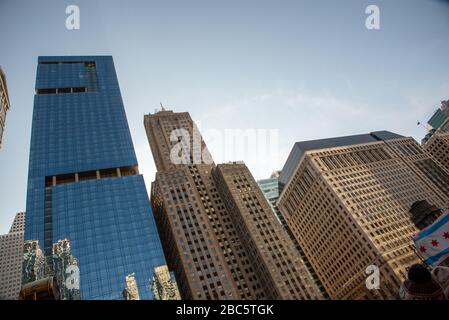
{"points": [[286, 70]]}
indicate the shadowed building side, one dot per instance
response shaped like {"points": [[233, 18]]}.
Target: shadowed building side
{"points": [[278, 266]]}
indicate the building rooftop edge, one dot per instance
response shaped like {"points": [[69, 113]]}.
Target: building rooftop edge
{"points": [[299, 148]]}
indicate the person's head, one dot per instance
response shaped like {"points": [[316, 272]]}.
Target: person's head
{"points": [[419, 273]]}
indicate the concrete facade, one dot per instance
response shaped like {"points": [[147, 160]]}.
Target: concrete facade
{"points": [[210, 237], [347, 203]]}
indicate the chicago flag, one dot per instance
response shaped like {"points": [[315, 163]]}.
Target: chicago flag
{"points": [[432, 242]]}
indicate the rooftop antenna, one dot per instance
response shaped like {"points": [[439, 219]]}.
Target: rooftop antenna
{"points": [[162, 107]]}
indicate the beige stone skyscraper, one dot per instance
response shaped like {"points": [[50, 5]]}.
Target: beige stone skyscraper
{"points": [[11, 254], [438, 147], [4, 103], [217, 229], [347, 202]]}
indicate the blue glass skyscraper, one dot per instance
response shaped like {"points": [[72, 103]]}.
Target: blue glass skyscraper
{"points": [[83, 180]]}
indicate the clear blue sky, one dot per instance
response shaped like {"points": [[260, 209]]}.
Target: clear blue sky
{"points": [[308, 68]]}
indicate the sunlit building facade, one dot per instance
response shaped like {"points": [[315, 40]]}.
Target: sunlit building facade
{"points": [[347, 201], [438, 147]]}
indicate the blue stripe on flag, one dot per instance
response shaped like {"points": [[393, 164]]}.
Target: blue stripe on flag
{"points": [[433, 259], [433, 227]]}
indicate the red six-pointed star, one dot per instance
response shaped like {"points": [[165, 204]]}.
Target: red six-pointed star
{"points": [[422, 249], [446, 235], [434, 243]]}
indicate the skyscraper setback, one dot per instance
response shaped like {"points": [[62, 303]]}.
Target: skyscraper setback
{"points": [[84, 186], [218, 231], [347, 202]]}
